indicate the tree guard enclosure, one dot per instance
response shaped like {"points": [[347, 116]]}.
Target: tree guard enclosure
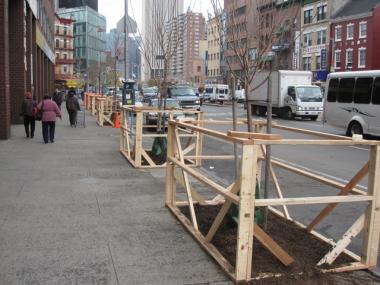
{"points": [[179, 175], [136, 143]]}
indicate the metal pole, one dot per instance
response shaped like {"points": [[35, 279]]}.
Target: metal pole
{"points": [[234, 126], [125, 40], [268, 147]]}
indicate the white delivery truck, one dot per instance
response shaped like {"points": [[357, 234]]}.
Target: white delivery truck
{"points": [[216, 93], [293, 95]]}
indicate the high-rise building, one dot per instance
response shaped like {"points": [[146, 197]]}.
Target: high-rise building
{"points": [[26, 56], [185, 33], [78, 3], [156, 13], [214, 51], [89, 41]]}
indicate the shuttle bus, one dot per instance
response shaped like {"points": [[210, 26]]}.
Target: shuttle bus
{"points": [[352, 102]]}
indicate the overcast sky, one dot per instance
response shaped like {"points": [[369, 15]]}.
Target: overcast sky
{"points": [[113, 10]]}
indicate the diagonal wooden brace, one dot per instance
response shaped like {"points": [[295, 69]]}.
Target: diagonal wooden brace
{"points": [[345, 191]]}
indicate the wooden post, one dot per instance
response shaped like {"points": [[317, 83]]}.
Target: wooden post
{"points": [[101, 112], [246, 212], [199, 141], [170, 168], [371, 231], [138, 138], [122, 130]]}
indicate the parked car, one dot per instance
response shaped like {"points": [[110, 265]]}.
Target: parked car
{"points": [[171, 104], [150, 93], [185, 96]]}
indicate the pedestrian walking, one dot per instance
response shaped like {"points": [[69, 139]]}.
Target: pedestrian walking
{"points": [[58, 98], [27, 111], [50, 113], [72, 106]]}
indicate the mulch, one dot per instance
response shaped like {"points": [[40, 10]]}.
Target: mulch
{"points": [[302, 246]]}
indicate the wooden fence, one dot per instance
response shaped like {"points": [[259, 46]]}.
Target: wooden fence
{"points": [[136, 141], [241, 192]]}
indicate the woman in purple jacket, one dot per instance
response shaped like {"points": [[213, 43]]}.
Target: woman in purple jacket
{"points": [[50, 113]]}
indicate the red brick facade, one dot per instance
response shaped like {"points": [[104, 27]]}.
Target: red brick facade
{"points": [[23, 64], [361, 47], [5, 112]]}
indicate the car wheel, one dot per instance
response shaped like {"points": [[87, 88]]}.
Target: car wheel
{"points": [[288, 114], [355, 128], [313, 118]]}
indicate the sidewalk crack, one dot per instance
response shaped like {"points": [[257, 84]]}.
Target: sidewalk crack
{"points": [[113, 264]]}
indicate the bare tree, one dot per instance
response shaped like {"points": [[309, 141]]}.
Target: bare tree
{"points": [[158, 45], [247, 34]]}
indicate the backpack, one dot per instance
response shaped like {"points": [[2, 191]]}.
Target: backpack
{"points": [[71, 104]]}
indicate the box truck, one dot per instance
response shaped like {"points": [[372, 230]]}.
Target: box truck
{"points": [[293, 95]]}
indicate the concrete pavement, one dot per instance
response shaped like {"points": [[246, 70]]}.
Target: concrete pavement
{"points": [[75, 212]]}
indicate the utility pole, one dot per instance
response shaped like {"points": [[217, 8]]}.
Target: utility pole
{"points": [[125, 39]]}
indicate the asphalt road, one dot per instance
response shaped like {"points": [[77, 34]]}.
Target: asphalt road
{"points": [[334, 162]]}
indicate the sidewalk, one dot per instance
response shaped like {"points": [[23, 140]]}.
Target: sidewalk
{"points": [[75, 212]]}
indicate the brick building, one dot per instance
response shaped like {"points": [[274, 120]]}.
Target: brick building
{"points": [[26, 56], [64, 51], [355, 36], [315, 35], [214, 54]]}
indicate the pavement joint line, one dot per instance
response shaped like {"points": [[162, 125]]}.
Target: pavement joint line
{"points": [[113, 264], [318, 172], [97, 202]]}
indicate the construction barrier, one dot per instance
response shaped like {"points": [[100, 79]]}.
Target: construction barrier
{"points": [[144, 149], [107, 108], [241, 192]]}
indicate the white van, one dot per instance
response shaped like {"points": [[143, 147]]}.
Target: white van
{"points": [[216, 93], [353, 102]]}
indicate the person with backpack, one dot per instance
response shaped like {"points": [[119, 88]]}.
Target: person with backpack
{"points": [[50, 112], [27, 111], [58, 98], [72, 106]]}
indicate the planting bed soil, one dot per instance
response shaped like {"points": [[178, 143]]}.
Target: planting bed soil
{"points": [[302, 246]]}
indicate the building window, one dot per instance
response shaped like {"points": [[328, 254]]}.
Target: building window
{"points": [[350, 32], [57, 55], [56, 30], [362, 57], [199, 69], [337, 59], [65, 56], [57, 43], [338, 33], [349, 58], [308, 16], [318, 62], [307, 40], [363, 30], [321, 37], [65, 31], [307, 63], [322, 12], [64, 43], [64, 69]]}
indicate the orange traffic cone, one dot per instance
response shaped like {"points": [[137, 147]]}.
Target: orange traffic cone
{"points": [[116, 121]]}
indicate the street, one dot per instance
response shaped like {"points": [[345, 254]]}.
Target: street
{"points": [[333, 162]]}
